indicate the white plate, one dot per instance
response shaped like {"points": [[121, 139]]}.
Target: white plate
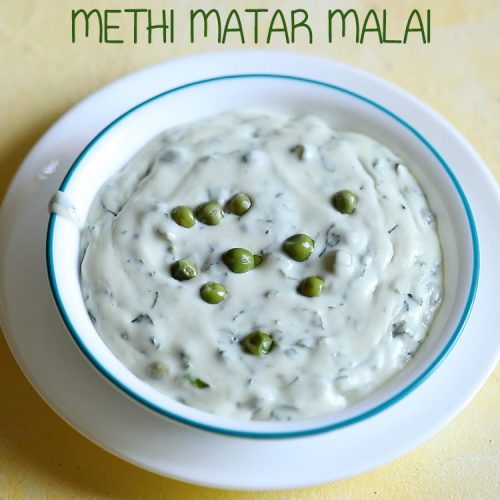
{"points": [[80, 395]]}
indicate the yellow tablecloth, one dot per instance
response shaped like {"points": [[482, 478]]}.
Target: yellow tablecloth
{"points": [[43, 74]]}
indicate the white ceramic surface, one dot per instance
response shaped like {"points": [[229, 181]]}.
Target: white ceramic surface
{"points": [[343, 110], [107, 417]]}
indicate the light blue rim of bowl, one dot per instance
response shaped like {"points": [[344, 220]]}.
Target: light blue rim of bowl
{"points": [[270, 435]]}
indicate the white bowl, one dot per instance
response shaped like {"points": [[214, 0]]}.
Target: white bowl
{"points": [[344, 109]]}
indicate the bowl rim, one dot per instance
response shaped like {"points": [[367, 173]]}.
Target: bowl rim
{"points": [[385, 404]]}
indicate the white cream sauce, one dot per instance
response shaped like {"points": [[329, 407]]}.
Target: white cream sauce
{"points": [[62, 205], [381, 265]]}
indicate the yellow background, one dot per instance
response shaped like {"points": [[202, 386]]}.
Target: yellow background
{"points": [[42, 74]]}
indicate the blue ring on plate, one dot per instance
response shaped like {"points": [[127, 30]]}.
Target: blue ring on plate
{"points": [[271, 435]]}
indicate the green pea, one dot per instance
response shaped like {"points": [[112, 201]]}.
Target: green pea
{"points": [[239, 204], [299, 247], [239, 260], [210, 213], [213, 293], [183, 270], [183, 216], [345, 201], [257, 260], [311, 286], [258, 343], [157, 370]]}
